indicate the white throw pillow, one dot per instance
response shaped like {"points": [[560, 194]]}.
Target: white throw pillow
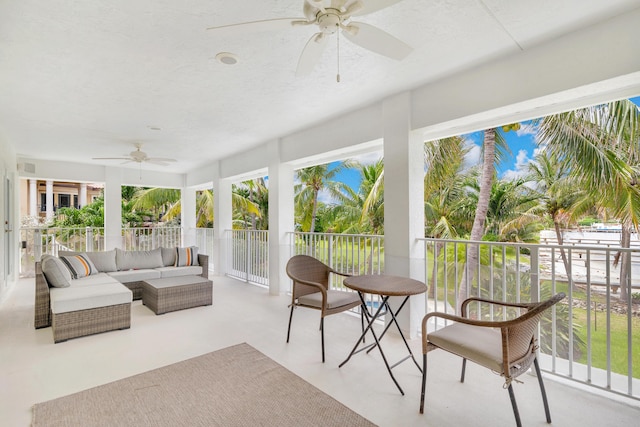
{"points": [[55, 271]]}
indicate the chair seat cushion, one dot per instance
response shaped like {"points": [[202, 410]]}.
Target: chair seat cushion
{"points": [[478, 344], [335, 299]]}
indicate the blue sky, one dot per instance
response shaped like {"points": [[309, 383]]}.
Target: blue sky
{"points": [[521, 142]]}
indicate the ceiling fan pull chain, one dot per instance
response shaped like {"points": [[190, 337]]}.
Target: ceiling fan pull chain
{"points": [[338, 43]]}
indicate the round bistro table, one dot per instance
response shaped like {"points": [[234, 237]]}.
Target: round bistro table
{"points": [[386, 286]]}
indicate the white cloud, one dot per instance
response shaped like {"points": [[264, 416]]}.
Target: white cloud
{"points": [[520, 166], [527, 129], [473, 157]]}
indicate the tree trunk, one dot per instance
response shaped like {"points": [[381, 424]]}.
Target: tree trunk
{"points": [[565, 261], [477, 231], [625, 265]]}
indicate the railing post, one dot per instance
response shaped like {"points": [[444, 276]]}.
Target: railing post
{"points": [[89, 239], [330, 251], [248, 254], [37, 244], [535, 273]]}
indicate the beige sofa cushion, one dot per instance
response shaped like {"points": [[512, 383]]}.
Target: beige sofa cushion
{"points": [[194, 270], [135, 275], [128, 260], [75, 298]]}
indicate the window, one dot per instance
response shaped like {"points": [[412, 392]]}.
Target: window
{"points": [[64, 200]]}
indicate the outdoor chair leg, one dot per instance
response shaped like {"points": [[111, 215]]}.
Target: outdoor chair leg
{"points": [[289, 328], [424, 382], [544, 393], [515, 406], [322, 334], [464, 367], [362, 325]]}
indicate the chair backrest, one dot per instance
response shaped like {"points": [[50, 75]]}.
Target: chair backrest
{"points": [[518, 337], [303, 268]]}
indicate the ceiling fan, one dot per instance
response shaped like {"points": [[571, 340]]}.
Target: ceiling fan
{"points": [[140, 156], [331, 17]]}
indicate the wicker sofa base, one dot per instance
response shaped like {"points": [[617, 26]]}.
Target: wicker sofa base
{"points": [[88, 322], [136, 288]]}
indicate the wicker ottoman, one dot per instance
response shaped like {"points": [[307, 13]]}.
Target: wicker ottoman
{"points": [[176, 293]]}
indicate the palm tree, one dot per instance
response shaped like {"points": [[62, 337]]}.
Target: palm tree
{"points": [[604, 146], [494, 147], [444, 187], [248, 197], [158, 200], [313, 180], [562, 198]]}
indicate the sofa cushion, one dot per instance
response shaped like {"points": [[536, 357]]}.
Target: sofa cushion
{"points": [[168, 256], [193, 270], [75, 298], [103, 260], [57, 274], [94, 279], [186, 256], [128, 260], [79, 265], [135, 275]]}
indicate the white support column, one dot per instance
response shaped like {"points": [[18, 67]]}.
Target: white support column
{"points": [[281, 219], [33, 198], [113, 208], [188, 215], [49, 199], [82, 200], [222, 220], [404, 203]]}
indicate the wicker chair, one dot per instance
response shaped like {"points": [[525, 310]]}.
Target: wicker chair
{"points": [[506, 347], [311, 289]]}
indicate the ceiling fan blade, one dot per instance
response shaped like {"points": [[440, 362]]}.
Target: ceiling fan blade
{"points": [[160, 162], [110, 158], [338, 4], [371, 6], [311, 54], [160, 159], [377, 40], [278, 24]]}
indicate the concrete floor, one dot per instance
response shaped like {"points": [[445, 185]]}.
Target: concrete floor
{"points": [[33, 369]]}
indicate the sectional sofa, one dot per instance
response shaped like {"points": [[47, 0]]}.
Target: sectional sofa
{"points": [[80, 294]]}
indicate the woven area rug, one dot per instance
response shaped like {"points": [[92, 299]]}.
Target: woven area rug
{"points": [[235, 386]]}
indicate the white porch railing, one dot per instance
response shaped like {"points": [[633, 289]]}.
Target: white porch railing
{"points": [[248, 255], [38, 241]]}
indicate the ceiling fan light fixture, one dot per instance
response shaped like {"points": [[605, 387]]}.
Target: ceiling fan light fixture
{"points": [[227, 58]]}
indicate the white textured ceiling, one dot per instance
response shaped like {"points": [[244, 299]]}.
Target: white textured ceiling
{"points": [[87, 78]]}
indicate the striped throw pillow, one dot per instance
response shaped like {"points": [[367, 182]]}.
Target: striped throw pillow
{"points": [[186, 256], [79, 265]]}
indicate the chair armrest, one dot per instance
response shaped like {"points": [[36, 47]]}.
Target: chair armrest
{"points": [[463, 307], [340, 273]]}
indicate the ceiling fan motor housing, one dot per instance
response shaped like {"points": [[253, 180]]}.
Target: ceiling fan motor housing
{"points": [[329, 21]]}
